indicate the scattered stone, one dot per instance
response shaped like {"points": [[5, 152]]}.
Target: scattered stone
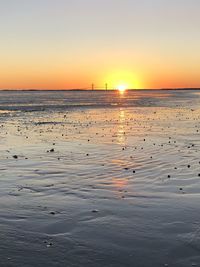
{"points": [[49, 245], [194, 264], [95, 211]]}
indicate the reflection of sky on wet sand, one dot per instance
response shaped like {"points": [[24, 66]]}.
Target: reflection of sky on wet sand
{"points": [[119, 183], [94, 166], [116, 126], [119, 186]]}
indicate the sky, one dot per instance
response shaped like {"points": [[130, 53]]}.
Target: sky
{"points": [[66, 44]]}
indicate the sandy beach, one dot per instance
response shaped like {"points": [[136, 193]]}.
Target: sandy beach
{"points": [[100, 178]]}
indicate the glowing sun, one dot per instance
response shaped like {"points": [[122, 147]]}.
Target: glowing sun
{"points": [[121, 88]]}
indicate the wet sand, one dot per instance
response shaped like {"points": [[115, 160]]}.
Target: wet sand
{"points": [[100, 179]]}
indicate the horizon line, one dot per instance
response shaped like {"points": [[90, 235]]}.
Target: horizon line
{"points": [[103, 89]]}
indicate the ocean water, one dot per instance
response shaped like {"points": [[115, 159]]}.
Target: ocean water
{"points": [[37, 100], [100, 178]]}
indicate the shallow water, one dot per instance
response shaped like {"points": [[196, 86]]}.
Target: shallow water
{"points": [[120, 188]]}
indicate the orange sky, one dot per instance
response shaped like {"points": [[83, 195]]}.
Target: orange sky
{"points": [[72, 44]]}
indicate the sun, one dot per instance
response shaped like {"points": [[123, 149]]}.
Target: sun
{"points": [[121, 88]]}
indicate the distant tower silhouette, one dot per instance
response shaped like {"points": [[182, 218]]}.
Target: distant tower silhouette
{"points": [[92, 86], [106, 86]]}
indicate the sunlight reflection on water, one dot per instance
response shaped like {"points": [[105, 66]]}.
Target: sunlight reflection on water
{"points": [[121, 128]]}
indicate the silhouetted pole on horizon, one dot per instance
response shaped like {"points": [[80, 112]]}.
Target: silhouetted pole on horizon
{"points": [[106, 86], [92, 86]]}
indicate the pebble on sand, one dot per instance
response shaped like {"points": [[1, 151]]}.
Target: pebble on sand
{"points": [[95, 211], [49, 245]]}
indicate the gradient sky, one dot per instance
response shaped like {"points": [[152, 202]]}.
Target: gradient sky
{"points": [[72, 43]]}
